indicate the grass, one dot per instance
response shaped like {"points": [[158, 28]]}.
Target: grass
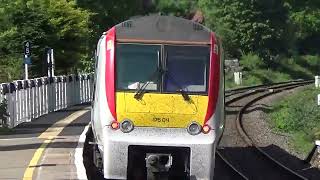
{"points": [[256, 71], [299, 116], [6, 131]]}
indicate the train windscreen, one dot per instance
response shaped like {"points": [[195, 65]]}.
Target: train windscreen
{"points": [[187, 68], [181, 68], [137, 64]]}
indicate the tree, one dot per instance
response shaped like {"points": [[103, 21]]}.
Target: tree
{"points": [[181, 8], [304, 17], [248, 25], [106, 14], [55, 23]]}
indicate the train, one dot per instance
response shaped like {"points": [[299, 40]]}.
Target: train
{"points": [[158, 99]]}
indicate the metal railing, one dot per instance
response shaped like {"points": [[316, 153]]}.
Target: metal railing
{"points": [[29, 99]]}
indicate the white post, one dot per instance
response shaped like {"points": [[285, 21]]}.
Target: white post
{"points": [[25, 68], [238, 78], [317, 81], [52, 61], [317, 143], [48, 62], [318, 99]]}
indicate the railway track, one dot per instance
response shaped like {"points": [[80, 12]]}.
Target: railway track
{"points": [[225, 170], [231, 92], [259, 164], [254, 162]]}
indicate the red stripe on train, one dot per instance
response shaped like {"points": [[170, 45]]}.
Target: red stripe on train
{"points": [[110, 70], [214, 78]]}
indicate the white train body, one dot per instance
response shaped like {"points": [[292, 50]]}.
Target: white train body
{"points": [[159, 93]]}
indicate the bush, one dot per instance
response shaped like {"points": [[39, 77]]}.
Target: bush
{"points": [[251, 62], [299, 116], [3, 113], [257, 71]]}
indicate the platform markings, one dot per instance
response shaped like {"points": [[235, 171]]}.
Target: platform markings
{"points": [[78, 156], [35, 159], [49, 135], [17, 139]]}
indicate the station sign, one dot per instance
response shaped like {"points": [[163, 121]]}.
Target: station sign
{"points": [[27, 52], [27, 48]]}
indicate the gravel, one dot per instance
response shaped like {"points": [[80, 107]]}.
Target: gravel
{"points": [[256, 123]]}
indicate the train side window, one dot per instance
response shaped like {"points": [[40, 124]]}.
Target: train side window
{"points": [[137, 64]]}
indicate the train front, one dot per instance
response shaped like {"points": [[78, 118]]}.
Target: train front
{"points": [[162, 109]]}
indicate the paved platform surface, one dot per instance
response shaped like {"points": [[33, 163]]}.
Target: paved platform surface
{"points": [[44, 148]]}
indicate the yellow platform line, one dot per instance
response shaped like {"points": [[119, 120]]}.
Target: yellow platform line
{"points": [[35, 159], [49, 135]]}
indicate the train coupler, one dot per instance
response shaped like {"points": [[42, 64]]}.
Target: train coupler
{"points": [[158, 166]]}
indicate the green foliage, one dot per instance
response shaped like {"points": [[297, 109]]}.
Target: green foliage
{"points": [[106, 14], [252, 62], [58, 24], [3, 113], [256, 71], [10, 68], [182, 8], [298, 115], [304, 17], [265, 27], [248, 26]]}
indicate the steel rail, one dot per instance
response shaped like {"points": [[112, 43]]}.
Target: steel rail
{"points": [[244, 135], [234, 91], [253, 90], [231, 167]]}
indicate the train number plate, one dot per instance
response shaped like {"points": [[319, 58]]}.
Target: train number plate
{"points": [[161, 119]]}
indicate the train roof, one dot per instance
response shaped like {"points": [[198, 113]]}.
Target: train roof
{"points": [[162, 29]]}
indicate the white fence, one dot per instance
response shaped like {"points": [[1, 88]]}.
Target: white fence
{"points": [[29, 99]]}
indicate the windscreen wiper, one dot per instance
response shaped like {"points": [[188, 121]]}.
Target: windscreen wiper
{"points": [[141, 90], [184, 94]]}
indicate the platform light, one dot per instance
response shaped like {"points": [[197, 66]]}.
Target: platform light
{"points": [[126, 126], [115, 125], [194, 128]]}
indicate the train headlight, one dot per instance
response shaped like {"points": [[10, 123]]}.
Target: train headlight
{"points": [[115, 125], [194, 128], [206, 129], [126, 126]]}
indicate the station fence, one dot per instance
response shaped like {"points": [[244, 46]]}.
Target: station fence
{"points": [[32, 98]]}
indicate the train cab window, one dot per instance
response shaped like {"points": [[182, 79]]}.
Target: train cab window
{"points": [[187, 68], [136, 65]]}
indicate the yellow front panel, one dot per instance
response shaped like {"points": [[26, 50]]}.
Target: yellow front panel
{"points": [[161, 110]]}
